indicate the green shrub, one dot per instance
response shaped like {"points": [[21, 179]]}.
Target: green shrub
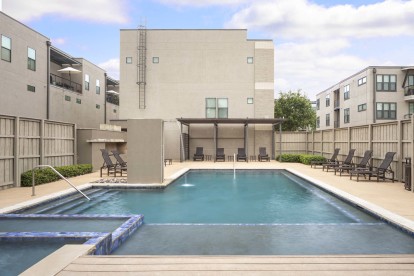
{"points": [[290, 158], [307, 158], [299, 158], [46, 175]]}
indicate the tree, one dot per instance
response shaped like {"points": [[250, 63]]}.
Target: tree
{"points": [[296, 109]]}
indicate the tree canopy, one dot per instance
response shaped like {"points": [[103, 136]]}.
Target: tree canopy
{"points": [[297, 109]]}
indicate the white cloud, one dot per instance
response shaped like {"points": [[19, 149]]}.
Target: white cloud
{"points": [[58, 41], [103, 11], [202, 3], [111, 66], [306, 20]]}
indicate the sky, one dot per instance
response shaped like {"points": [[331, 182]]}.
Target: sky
{"points": [[317, 43]]}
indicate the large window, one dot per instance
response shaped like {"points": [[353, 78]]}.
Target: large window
{"points": [[387, 111], [386, 82], [86, 82], [346, 115], [411, 108], [5, 48], [216, 108], [31, 59], [328, 120], [362, 81], [318, 122], [346, 92], [328, 100], [98, 87]]}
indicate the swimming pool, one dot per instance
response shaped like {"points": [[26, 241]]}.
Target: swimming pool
{"points": [[256, 212]]}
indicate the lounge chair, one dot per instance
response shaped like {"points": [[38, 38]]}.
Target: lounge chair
{"points": [[108, 164], [378, 172], [199, 155], [363, 164], [263, 155], [122, 165], [220, 154], [347, 161], [333, 159], [241, 154]]}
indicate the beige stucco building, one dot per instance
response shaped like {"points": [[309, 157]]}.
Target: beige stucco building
{"points": [[170, 74], [372, 95]]}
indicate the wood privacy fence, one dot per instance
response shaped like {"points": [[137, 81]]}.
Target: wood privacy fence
{"points": [[396, 136], [25, 143]]}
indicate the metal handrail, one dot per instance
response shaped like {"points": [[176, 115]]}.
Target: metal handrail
{"points": [[61, 176]]}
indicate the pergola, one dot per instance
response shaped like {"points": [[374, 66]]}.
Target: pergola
{"points": [[242, 121]]}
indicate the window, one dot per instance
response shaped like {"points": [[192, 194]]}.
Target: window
{"points": [[216, 108], [5, 48], [411, 108], [317, 104], [362, 107], [98, 88], [86, 82], [327, 100], [31, 59], [346, 115], [249, 100], [318, 122], [386, 82], [328, 120], [67, 98], [98, 106], [250, 60], [346, 92], [410, 80], [387, 111], [78, 101], [31, 88], [128, 60], [362, 81], [155, 60]]}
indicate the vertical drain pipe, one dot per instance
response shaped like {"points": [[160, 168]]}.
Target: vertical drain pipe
{"points": [[374, 96], [48, 44]]}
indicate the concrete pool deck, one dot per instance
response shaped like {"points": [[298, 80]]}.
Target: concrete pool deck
{"points": [[386, 195]]}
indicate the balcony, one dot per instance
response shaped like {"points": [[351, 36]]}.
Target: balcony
{"points": [[336, 104], [336, 124], [409, 93], [65, 83]]}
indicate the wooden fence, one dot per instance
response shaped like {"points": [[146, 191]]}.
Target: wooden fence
{"points": [[25, 143], [394, 136]]}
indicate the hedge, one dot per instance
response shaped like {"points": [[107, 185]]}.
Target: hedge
{"points": [[300, 158], [46, 175]]}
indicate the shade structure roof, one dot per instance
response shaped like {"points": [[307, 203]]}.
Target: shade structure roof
{"points": [[59, 57], [245, 121]]}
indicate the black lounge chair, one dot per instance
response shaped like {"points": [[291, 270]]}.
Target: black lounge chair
{"points": [[241, 154], [347, 161], [122, 165], [199, 155], [263, 155], [220, 154], [363, 164], [332, 160], [108, 164], [378, 172]]}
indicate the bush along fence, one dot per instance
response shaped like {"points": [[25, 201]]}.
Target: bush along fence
{"points": [[396, 136]]}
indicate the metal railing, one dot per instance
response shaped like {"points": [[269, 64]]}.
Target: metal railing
{"points": [[65, 83], [61, 176]]}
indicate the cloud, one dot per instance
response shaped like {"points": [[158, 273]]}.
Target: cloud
{"points": [[58, 41], [111, 66], [202, 3], [102, 11], [304, 19]]}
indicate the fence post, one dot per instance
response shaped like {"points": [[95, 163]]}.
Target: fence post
{"points": [[411, 139], [400, 151], [16, 152], [349, 138], [75, 145], [41, 142]]}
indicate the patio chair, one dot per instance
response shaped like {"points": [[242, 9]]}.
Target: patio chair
{"points": [[333, 159], [199, 155], [220, 154], [120, 162], [263, 155], [347, 161], [241, 154], [378, 172], [108, 164], [363, 164]]}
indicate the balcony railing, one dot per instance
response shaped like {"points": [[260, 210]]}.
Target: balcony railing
{"points": [[65, 83], [336, 104], [336, 124], [409, 90], [112, 98]]}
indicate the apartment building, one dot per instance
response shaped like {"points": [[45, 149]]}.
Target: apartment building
{"points": [[199, 74], [372, 95], [33, 85]]}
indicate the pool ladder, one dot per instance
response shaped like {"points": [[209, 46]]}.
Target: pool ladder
{"points": [[61, 176]]}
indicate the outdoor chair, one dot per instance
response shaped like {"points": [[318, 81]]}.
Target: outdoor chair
{"points": [[333, 159], [263, 155], [241, 154], [108, 164], [220, 154], [347, 161], [199, 155], [378, 172], [363, 164], [122, 165]]}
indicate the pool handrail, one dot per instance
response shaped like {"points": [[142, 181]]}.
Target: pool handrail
{"points": [[61, 176]]}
